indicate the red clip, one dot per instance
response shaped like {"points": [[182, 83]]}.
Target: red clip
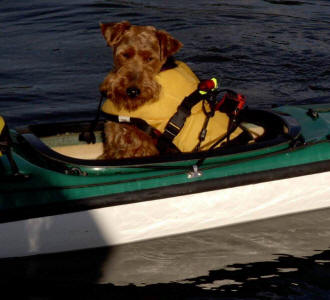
{"points": [[231, 103], [241, 101], [206, 85]]}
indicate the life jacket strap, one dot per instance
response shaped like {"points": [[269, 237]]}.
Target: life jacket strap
{"points": [[163, 145], [177, 121], [140, 123], [231, 104]]}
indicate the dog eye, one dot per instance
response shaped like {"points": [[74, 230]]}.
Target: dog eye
{"points": [[126, 55], [149, 59]]}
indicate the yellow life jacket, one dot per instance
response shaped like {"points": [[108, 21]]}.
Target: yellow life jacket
{"points": [[177, 83], [2, 126]]}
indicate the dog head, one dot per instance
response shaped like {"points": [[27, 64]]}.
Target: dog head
{"points": [[139, 52]]}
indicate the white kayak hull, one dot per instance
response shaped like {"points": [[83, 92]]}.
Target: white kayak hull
{"points": [[127, 223]]}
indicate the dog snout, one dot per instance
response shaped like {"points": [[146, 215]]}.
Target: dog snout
{"points": [[133, 92]]}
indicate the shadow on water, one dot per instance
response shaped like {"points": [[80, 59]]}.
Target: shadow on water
{"points": [[279, 258], [41, 219], [286, 277]]}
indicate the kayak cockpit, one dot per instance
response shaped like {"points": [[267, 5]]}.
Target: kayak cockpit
{"points": [[58, 144]]}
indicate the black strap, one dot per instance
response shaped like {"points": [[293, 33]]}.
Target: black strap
{"points": [[88, 136], [241, 139], [163, 145], [176, 123], [202, 134], [140, 123]]}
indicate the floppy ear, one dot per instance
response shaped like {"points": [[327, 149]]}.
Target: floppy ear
{"points": [[113, 32], [168, 44]]}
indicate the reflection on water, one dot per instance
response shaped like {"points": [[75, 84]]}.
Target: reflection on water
{"points": [[275, 258]]}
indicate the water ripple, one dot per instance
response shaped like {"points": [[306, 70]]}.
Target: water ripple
{"points": [[262, 48]]}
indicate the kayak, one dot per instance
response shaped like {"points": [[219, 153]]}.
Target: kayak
{"points": [[57, 196]]}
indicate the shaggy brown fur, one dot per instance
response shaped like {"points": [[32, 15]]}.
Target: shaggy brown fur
{"points": [[139, 52], [125, 141]]}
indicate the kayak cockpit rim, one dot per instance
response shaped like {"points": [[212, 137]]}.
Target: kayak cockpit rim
{"points": [[280, 129]]}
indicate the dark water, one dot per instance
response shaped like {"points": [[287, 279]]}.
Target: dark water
{"points": [[53, 56], [52, 59]]}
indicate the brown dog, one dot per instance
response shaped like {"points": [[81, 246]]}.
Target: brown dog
{"points": [[139, 53], [126, 141]]}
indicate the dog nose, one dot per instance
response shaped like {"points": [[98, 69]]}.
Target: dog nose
{"points": [[133, 92]]}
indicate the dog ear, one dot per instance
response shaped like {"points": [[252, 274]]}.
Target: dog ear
{"points": [[168, 44], [113, 32]]}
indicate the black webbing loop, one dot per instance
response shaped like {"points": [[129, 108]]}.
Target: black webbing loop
{"points": [[203, 132], [232, 126]]}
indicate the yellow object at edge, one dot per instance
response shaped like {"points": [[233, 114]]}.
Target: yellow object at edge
{"points": [[2, 126]]}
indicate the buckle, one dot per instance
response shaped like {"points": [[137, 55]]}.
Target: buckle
{"points": [[171, 131]]}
